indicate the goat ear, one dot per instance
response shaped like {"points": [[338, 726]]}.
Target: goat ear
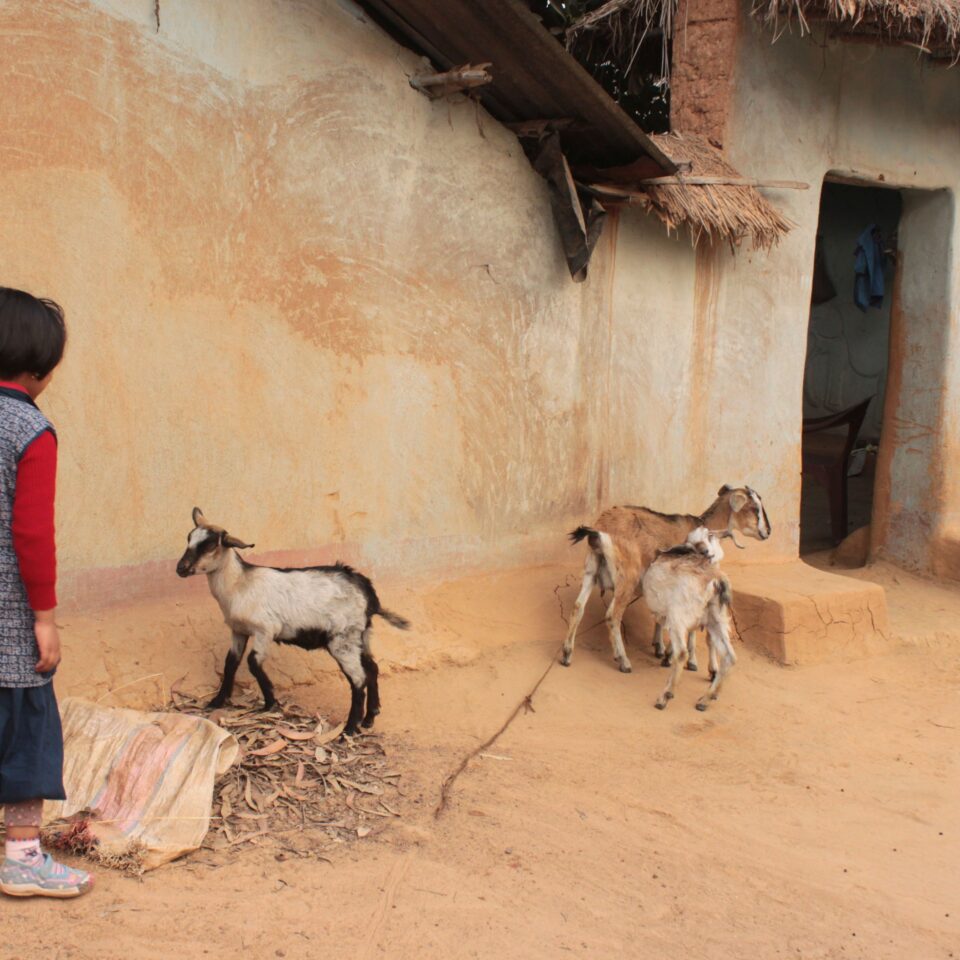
{"points": [[726, 488], [198, 519], [738, 501], [237, 544]]}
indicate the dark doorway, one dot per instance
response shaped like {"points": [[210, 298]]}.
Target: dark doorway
{"points": [[847, 359]]}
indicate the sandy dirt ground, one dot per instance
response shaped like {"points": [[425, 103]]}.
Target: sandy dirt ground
{"points": [[810, 813]]}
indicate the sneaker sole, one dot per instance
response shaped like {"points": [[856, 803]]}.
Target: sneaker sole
{"points": [[33, 890]]}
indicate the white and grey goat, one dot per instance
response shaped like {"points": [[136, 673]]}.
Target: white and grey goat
{"points": [[310, 607], [685, 590]]}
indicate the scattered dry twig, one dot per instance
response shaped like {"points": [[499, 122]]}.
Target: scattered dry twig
{"points": [[293, 782]]}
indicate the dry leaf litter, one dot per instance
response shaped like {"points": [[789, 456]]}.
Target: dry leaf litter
{"points": [[297, 785]]}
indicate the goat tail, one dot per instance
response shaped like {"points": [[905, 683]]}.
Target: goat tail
{"points": [[395, 620], [602, 547], [720, 634]]}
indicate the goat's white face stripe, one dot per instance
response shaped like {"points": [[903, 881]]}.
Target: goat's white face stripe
{"points": [[197, 536], [763, 524]]}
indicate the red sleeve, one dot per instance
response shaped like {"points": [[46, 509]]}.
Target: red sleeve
{"points": [[33, 523]]}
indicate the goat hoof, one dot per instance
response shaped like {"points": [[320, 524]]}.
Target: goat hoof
{"points": [[367, 722], [661, 704], [272, 707], [713, 675], [350, 733], [565, 660], [626, 668], [692, 666], [701, 707], [216, 703], [665, 662]]}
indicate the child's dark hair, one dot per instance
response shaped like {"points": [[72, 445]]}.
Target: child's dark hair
{"points": [[32, 334]]}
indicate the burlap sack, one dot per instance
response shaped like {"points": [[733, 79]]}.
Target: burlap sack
{"points": [[145, 778]]}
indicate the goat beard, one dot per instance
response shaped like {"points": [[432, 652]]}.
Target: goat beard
{"points": [[729, 535]]}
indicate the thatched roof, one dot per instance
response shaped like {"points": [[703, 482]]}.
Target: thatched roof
{"points": [[709, 198], [933, 26], [622, 25]]}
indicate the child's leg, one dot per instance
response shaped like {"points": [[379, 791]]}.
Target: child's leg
{"points": [[22, 822], [31, 762]]}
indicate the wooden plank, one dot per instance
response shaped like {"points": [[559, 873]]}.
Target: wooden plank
{"points": [[724, 181], [545, 58], [467, 77], [534, 77], [440, 59], [462, 31], [641, 169], [619, 194], [611, 191], [393, 17], [856, 179]]}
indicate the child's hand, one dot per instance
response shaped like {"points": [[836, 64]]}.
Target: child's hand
{"points": [[48, 641]]}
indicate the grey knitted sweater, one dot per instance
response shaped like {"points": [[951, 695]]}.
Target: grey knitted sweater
{"points": [[20, 424]]}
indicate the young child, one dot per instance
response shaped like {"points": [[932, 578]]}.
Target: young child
{"points": [[32, 338]]}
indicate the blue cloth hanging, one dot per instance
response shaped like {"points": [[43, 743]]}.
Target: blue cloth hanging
{"points": [[868, 269]]}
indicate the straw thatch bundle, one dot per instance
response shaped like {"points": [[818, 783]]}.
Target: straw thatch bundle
{"points": [[621, 26], [931, 25], [711, 211]]}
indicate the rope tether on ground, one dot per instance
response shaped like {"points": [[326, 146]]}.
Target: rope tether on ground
{"points": [[525, 704]]}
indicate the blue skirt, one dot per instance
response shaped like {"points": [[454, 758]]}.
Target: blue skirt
{"points": [[31, 745]]}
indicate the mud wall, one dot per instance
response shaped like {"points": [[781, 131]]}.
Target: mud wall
{"points": [[704, 67], [331, 313]]}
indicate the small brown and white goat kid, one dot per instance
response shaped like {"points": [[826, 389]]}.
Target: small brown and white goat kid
{"points": [[685, 590], [624, 542], [310, 607]]}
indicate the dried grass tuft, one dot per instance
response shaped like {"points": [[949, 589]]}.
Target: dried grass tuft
{"points": [[931, 25], [76, 837]]}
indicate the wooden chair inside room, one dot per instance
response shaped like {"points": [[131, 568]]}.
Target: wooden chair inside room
{"points": [[827, 444]]}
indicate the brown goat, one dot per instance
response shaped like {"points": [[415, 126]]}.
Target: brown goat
{"points": [[624, 541]]}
